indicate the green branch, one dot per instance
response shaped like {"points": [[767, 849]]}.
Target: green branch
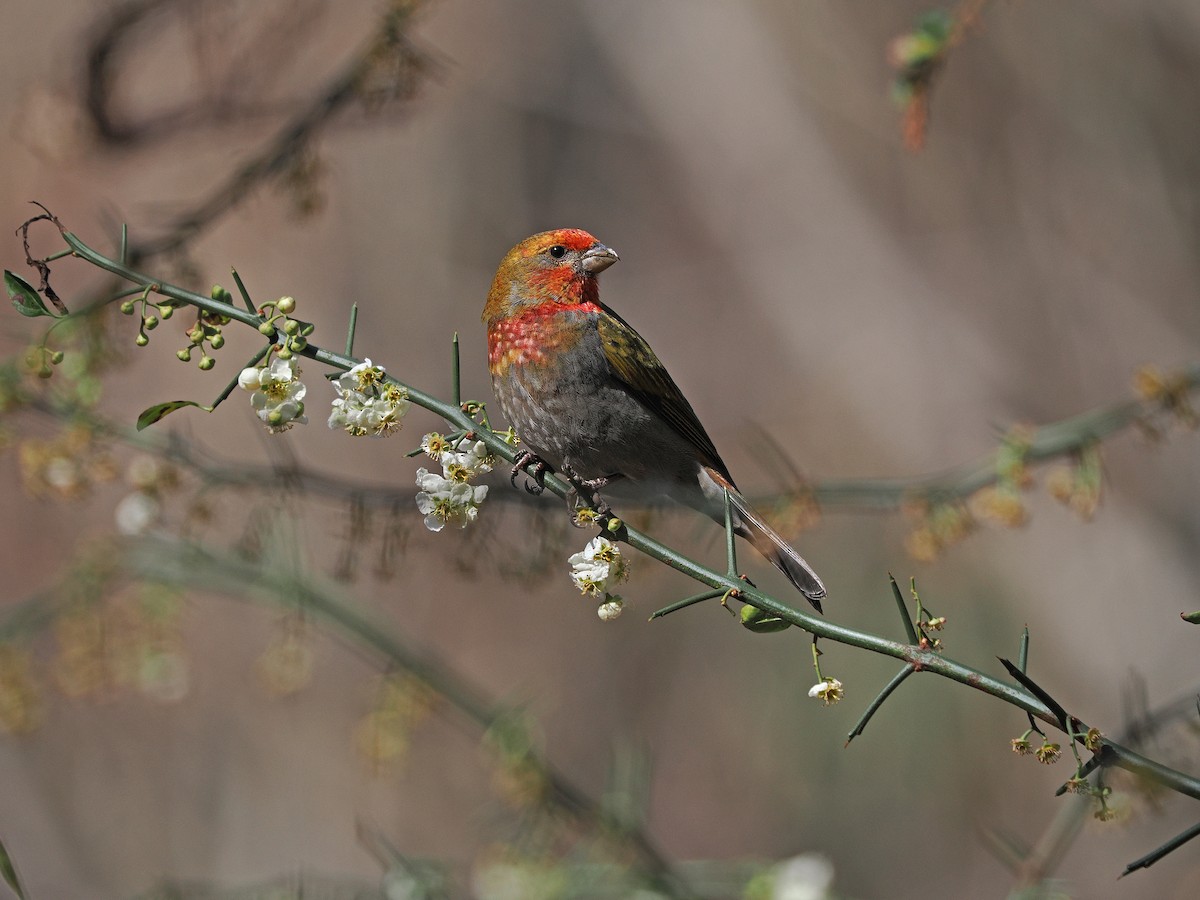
{"points": [[1052, 440]]}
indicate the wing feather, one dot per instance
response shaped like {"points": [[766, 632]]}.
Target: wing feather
{"points": [[633, 363]]}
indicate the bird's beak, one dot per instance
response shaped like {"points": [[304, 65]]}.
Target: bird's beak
{"points": [[598, 258]]}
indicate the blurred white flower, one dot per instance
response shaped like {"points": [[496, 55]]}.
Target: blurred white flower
{"points": [[805, 877], [136, 513]]}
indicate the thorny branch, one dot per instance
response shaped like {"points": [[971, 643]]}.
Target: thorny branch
{"points": [[1053, 439]]}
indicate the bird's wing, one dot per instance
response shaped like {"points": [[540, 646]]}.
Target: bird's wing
{"points": [[632, 362]]}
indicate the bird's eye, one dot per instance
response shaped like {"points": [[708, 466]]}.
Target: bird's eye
{"points": [[558, 251]]}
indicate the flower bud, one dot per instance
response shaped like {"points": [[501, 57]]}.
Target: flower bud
{"points": [[308, 329], [614, 525], [166, 310], [150, 322], [219, 293], [184, 355], [267, 328], [141, 340], [127, 308], [206, 363], [217, 341], [44, 371], [297, 343], [285, 304], [56, 357], [284, 353], [291, 326]]}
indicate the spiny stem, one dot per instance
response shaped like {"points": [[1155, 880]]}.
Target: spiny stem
{"points": [[730, 549], [680, 604], [237, 279], [350, 329], [250, 364], [909, 629], [896, 681]]}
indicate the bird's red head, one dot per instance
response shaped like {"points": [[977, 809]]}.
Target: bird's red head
{"points": [[558, 267]]}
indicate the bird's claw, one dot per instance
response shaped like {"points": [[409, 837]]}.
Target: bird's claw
{"points": [[537, 477], [586, 493]]}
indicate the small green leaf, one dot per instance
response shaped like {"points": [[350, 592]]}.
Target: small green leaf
{"points": [[24, 296], [9, 872], [1194, 618], [159, 410]]}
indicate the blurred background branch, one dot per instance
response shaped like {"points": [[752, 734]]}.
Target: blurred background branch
{"points": [[745, 162]]}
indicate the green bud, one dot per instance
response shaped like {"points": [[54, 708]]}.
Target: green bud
{"points": [[219, 293], [297, 344], [150, 322], [761, 622], [614, 525], [291, 326], [141, 340], [206, 363], [127, 308], [184, 355], [308, 329], [285, 304], [284, 353], [44, 371], [267, 328], [56, 357], [217, 341], [275, 417]]}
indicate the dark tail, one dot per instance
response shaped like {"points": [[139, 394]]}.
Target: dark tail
{"points": [[750, 525]]}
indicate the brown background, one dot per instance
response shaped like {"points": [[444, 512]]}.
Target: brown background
{"points": [[879, 313]]}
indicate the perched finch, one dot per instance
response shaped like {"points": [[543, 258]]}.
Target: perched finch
{"points": [[586, 394]]}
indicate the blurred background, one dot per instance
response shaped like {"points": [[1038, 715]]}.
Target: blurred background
{"points": [[877, 312]]}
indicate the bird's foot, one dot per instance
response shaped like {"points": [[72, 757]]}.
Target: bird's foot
{"points": [[585, 495], [537, 476]]}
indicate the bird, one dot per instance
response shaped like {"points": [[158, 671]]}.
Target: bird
{"points": [[587, 396]]}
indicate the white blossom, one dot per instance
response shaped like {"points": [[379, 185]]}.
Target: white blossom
{"points": [[277, 394], [366, 404], [466, 459], [828, 691], [597, 565], [461, 460], [610, 608], [443, 501]]}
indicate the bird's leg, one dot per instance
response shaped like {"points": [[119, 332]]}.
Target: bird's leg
{"points": [[586, 492], [537, 478]]}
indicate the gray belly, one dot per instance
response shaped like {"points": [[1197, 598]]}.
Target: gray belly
{"points": [[590, 423]]}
